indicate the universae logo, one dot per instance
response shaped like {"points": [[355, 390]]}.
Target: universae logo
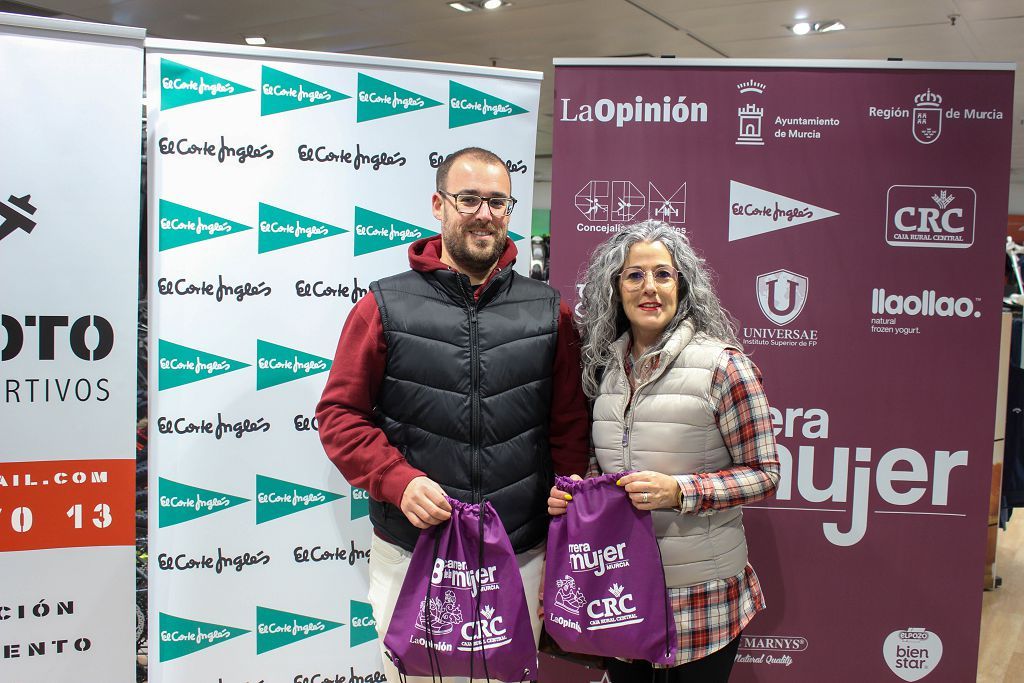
{"points": [[781, 294]]}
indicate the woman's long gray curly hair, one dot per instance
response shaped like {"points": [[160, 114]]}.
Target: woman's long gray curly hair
{"points": [[603, 319]]}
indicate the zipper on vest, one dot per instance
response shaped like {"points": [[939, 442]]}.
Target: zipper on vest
{"points": [[474, 392]]}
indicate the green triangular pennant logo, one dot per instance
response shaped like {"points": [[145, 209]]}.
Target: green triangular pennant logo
{"points": [[280, 229], [375, 231], [180, 637], [378, 99], [284, 92], [360, 503], [278, 498], [467, 106], [363, 628], [515, 237], [279, 364], [275, 628], [181, 365], [181, 85], [181, 225], [183, 503]]}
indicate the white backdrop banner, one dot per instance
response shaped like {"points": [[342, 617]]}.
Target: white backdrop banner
{"points": [[69, 244], [282, 183]]}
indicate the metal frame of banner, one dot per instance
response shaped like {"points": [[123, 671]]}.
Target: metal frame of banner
{"points": [[802, 63]]}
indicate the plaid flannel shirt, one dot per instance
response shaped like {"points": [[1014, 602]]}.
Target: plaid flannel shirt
{"points": [[709, 615]]}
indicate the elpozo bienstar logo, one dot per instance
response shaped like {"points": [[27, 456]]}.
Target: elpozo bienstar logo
{"points": [[15, 215], [180, 365], [375, 231], [754, 211], [276, 628], [283, 92], [781, 295], [378, 99], [280, 229], [939, 216], [278, 364], [363, 628], [180, 637], [181, 85], [912, 653], [277, 498], [610, 205], [181, 225], [179, 503], [467, 106]]}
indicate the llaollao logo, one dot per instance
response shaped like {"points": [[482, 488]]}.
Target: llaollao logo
{"points": [[912, 653], [181, 85], [276, 628], [278, 498], [180, 637], [283, 92]]}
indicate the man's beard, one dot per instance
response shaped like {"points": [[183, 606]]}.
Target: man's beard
{"points": [[473, 260]]}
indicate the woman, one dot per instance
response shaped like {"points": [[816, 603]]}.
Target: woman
{"points": [[677, 402]]}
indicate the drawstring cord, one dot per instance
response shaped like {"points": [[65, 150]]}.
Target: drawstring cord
{"points": [[479, 598], [432, 656]]}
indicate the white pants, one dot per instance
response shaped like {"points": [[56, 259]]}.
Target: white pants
{"points": [[388, 566]]}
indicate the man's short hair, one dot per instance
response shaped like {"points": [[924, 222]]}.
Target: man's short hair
{"points": [[475, 153]]}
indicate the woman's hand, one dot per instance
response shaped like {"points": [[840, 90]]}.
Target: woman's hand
{"points": [[558, 501], [650, 490]]}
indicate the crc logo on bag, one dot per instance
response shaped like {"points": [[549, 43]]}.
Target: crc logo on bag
{"points": [[939, 216], [613, 612], [484, 634], [912, 653]]}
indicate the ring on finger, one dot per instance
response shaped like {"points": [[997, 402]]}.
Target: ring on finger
{"points": [[645, 497]]}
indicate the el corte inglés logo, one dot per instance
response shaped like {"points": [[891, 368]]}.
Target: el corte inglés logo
{"points": [[375, 231], [278, 364], [181, 225], [180, 365], [278, 498], [280, 229], [181, 85], [378, 99], [363, 628], [275, 628], [360, 503], [182, 503], [467, 106], [180, 637], [284, 92]]}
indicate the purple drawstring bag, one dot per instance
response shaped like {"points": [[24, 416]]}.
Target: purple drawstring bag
{"points": [[462, 608], [604, 584]]}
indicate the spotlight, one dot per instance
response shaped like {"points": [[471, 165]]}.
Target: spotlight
{"points": [[255, 40], [801, 29]]}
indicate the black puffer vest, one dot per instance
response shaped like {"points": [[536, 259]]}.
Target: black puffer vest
{"points": [[466, 394]]}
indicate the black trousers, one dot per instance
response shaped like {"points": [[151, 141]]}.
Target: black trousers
{"points": [[715, 668]]}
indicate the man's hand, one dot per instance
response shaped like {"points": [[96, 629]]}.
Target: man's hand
{"points": [[424, 504]]}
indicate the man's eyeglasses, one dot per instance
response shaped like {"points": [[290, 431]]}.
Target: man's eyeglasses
{"points": [[470, 203], [635, 278]]}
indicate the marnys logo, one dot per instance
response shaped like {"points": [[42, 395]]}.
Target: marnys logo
{"points": [[930, 216], [275, 628], [279, 364], [284, 92], [280, 229], [378, 99], [15, 215], [363, 628], [180, 637], [180, 365], [181, 85], [467, 106], [620, 202], [754, 211], [181, 225], [375, 231], [278, 498], [781, 294], [912, 653], [771, 650], [182, 503]]}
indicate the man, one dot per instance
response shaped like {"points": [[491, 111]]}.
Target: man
{"points": [[460, 378]]}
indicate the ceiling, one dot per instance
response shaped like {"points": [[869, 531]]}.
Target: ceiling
{"points": [[528, 34]]}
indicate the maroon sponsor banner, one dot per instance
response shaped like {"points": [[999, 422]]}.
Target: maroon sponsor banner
{"points": [[853, 213]]}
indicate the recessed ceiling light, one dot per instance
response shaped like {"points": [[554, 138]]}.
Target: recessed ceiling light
{"points": [[255, 40], [801, 29], [460, 7], [830, 25], [492, 4]]}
